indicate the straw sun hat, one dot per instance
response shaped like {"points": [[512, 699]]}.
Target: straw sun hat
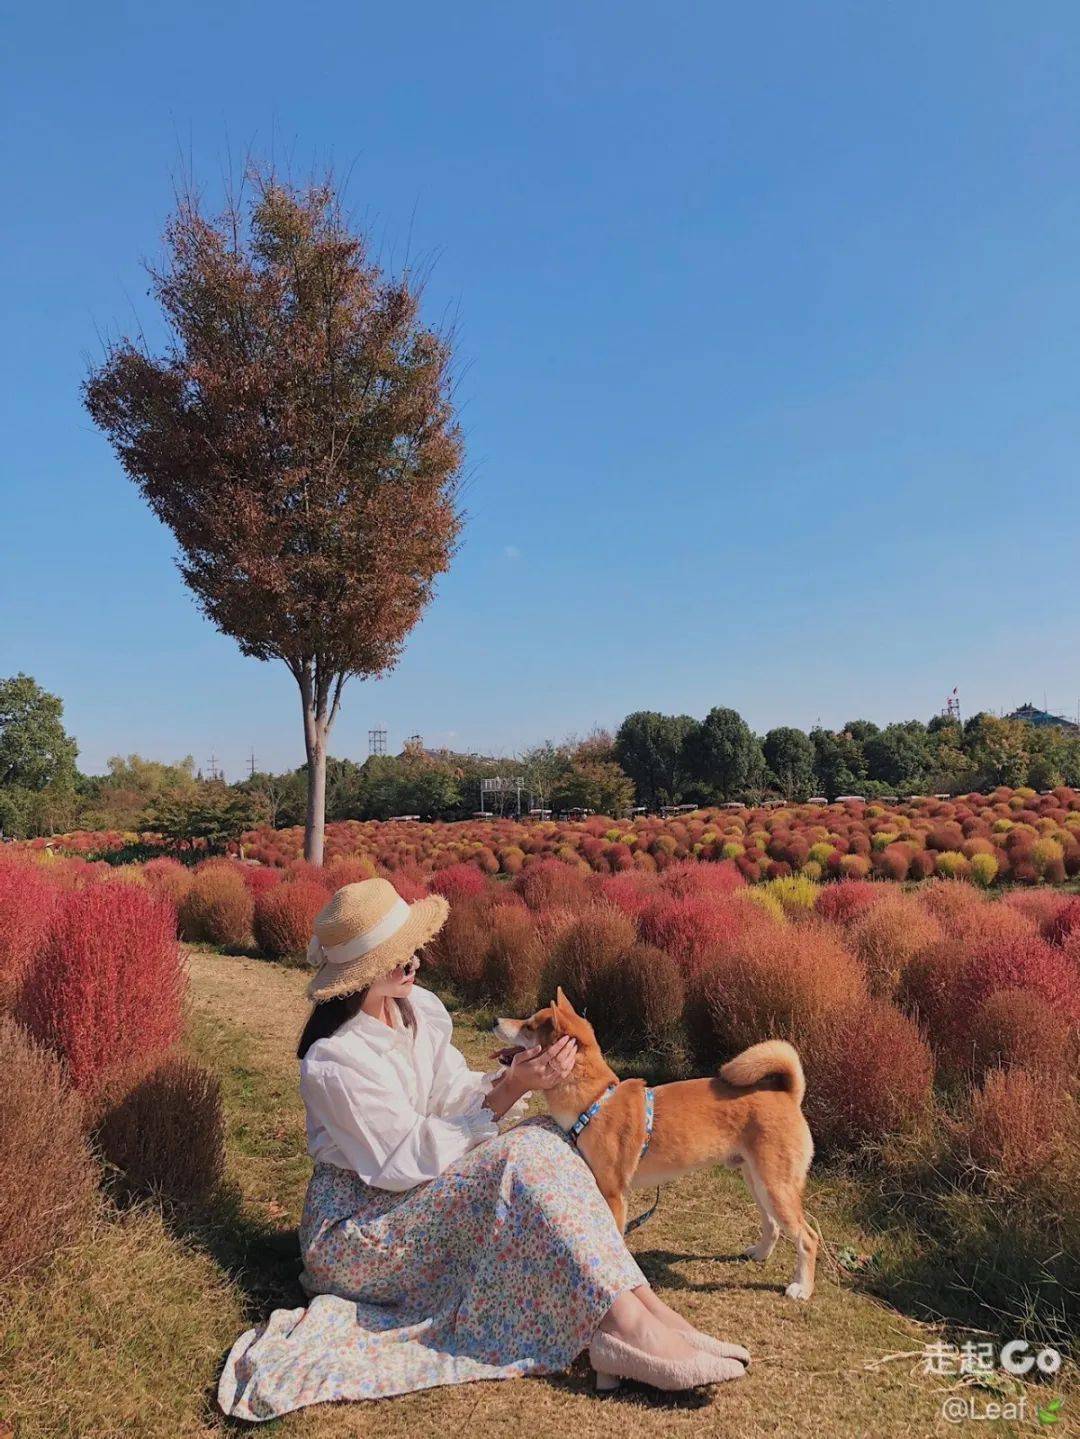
{"points": [[364, 932]]}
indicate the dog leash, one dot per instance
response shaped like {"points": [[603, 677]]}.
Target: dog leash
{"points": [[588, 1115], [640, 1220]]}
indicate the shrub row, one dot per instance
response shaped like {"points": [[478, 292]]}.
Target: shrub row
{"points": [[1012, 835], [91, 993]]}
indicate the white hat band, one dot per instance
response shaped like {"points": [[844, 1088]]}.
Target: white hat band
{"points": [[363, 944]]}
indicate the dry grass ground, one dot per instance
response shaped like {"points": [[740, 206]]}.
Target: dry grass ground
{"points": [[127, 1336]]}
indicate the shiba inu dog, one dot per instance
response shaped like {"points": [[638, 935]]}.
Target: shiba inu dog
{"points": [[748, 1117]]}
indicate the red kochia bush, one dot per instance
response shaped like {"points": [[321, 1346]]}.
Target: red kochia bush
{"points": [[869, 1074], [690, 928], [458, 952], [893, 862], [631, 893], [923, 864], [1059, 926], [848, 900], [347, 869], [299, 869], [108, 987], [645, 998], [1015, 1126], [410, 883], [1030, 964], [457, 881], [692, 878], [259, 878], [551, 882], [168, 878], [928, 986], [950, 898], [163, 1133], [27, 904], [889, 936], [512, 963], [285, 916], [1041, 906]]}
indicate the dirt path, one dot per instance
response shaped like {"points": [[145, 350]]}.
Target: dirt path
{"points": [[819, 1370]]}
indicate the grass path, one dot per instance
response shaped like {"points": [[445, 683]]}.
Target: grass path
{"points": [[817, 1369]]}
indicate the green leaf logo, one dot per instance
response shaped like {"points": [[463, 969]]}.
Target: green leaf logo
{"points": [[1051, 1413]]}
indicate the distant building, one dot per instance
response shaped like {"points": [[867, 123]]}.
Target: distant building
{"points": [[1041, 720]]}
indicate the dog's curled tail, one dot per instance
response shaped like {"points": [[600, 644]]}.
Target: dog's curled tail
{"points": [[761, 1061]]}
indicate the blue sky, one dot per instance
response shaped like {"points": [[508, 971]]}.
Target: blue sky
{"points": [[770, 326]]}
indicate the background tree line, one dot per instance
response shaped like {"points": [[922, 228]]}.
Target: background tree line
{"points": [[652, 760], [673, 759]]}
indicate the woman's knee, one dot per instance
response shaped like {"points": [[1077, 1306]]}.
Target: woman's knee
{"points": [[541, 1140]]}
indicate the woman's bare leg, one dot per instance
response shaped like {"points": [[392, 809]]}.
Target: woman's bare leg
{"points": [[664, 1312], [632, 1319]]}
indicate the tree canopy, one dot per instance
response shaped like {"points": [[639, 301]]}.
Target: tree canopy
{"points": [[297, 437]]}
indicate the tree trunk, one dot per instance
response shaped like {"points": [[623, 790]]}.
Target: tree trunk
{"points": [[315, 728], [315, 823], [319, 715]]}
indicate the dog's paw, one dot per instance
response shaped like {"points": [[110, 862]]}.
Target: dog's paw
{"points": [[798, 1291], [759, 1253]]}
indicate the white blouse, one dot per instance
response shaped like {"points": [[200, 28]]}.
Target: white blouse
{"points": [[396, 1105]]}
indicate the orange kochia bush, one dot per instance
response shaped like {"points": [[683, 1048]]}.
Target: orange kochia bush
{"points": [[218, 907]]}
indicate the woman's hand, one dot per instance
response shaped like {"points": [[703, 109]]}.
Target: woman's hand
{"points": [[540, 1068]]}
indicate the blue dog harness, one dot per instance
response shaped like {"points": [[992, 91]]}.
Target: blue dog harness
{"points": [[588, 1115]]}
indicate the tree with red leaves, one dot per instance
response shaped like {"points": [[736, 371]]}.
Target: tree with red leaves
{"points": [[298, 438]]}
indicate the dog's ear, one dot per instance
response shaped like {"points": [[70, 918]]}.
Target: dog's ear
{"points": [[562, 1001], [556, 1019]]}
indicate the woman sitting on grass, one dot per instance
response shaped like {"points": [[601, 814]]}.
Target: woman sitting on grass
{"points": [[437, 1249]]}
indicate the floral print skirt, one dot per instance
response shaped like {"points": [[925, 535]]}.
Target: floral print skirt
{"points": [[502, 1266]]}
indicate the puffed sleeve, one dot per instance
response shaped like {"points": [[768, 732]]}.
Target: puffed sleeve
{"points": [[386, 1142], [457, 1090]]}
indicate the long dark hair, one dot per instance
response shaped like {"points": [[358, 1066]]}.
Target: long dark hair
{"points": [[328, 1017]]}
